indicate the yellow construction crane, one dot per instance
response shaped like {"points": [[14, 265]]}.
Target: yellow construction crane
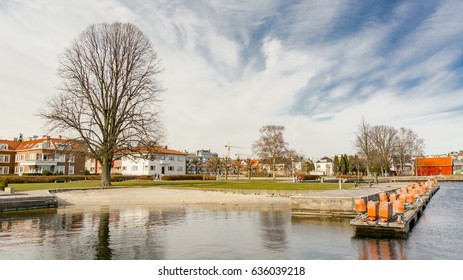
{"points": [[230, 146]]}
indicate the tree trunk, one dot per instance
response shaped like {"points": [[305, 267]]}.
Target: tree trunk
{"points": [[274, 169], [106, 173]]}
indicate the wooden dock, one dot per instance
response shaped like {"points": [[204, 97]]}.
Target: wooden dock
{"points": [[391, 228]]}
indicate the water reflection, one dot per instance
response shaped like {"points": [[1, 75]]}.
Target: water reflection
{"points": [[378, 249], [142, 232], [274, 230], [103, 252]]}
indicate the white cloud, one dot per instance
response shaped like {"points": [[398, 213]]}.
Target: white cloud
{"points": [[231, 67]]}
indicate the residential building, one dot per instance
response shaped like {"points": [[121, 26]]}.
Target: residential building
{"points": [[37, 155], [196, 163], [7, 156], [323, 166], [161, 161], [457, 166]]}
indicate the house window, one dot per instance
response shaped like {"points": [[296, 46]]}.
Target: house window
{"points": [[171, 158], [152, 167], [4, 158], [145, 167], [71, 170], [134, 168], [32, 156], [16, 170], [170, 168], [179, 158], [60, 158], [4, 170], [179, 168], [59, 169], [71, 158]]}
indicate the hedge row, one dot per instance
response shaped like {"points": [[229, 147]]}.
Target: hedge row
{"points": [[188, 177], [308, 177]]}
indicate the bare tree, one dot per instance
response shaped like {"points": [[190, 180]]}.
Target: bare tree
{"points": [[213, 165], [384, 137], [109, 94], [408, 144], [364, 144], [250, 166], [271, 146]]}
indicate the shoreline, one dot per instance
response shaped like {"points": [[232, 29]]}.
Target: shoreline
{"points": [[162, 197]]}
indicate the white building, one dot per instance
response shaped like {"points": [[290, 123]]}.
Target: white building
{"points": [[323, 166], [162, 162]]}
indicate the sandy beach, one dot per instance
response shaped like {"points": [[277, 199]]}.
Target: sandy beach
{"points": [[163, 196]]}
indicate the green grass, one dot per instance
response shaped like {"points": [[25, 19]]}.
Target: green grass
{"points": [[224, 184]]}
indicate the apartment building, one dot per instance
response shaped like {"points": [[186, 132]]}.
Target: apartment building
{"points": [[161, 161], [157, 161], [37, 155], [7, 156]]}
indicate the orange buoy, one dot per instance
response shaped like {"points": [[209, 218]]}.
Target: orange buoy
{"points": [[382, 197], [360, 205], [403, 197], [385, 211], [398, 207], [410, 198], [372, 208], [393, 197], [420, 192]]}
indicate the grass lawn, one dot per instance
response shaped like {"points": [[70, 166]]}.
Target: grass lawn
{"points": [[223, 184]]}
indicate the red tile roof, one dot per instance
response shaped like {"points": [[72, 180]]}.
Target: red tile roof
{"points": [[12, 145]]}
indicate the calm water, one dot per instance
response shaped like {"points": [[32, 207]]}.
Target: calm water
{"points": [[139, 232]]}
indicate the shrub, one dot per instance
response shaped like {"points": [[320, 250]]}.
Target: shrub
{"points": [[3, 184], [304, 177], [46, 173]]}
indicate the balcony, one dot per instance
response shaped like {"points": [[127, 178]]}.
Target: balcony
{"points": [[39, 162]]}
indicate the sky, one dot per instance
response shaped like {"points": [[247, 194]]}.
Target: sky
{"points": [[231, 67]]}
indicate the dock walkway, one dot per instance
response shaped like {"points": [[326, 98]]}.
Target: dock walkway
{"points": [[392, 228]]}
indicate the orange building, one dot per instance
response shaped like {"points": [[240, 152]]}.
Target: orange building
{"points": [[434, 166]]}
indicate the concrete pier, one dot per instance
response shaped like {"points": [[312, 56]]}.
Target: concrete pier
{"points": [[27, 201], [391, 228], [337, 203]]}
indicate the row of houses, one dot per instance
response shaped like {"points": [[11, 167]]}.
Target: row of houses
{"points": [[60, 156]]}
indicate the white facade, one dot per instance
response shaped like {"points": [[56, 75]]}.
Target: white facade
{"points": [[324, 166], [162, 164]]}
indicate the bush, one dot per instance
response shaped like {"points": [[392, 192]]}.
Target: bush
{"points": [[46, 173], [305, 177], [3, 184]]}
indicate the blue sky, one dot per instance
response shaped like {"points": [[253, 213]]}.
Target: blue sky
{"points": [[231, 67]]}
